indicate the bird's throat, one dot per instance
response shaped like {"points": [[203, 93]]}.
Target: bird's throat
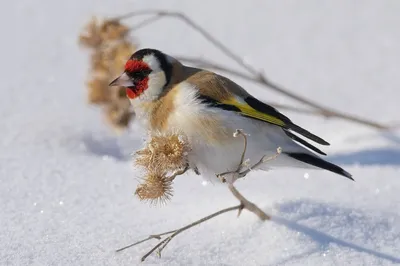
{"points": [[138, 89]]}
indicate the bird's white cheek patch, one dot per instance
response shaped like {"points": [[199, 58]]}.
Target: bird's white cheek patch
{"points": [[155, 85]]}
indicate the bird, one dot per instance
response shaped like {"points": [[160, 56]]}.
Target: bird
{"points": [[208, 108]]}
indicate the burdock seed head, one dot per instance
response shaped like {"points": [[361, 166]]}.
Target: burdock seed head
{"points": [[156, 188], [164, 155], [165, 152]]}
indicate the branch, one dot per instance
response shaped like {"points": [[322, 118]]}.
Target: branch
{"points": [[163, 243], [239, 172], [162, 13], [250, 206], [319, 110], [256, 75], [244, 204], [146, 22]]}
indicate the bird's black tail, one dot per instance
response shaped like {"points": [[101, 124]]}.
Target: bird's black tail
{"points": [[318, 162]]}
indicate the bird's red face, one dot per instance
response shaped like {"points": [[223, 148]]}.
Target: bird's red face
{"points": [[135, 78]]}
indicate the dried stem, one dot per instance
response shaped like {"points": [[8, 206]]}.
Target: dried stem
{"points": [[146, 22], [238, 173], [237, 133], [196, 27], [248, 205], [178, 172], [160, 246], [262, 80], [163, 243], [255, 75], [158, 236]]}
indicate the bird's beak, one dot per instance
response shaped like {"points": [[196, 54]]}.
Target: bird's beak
{"points": [[124, 80]]}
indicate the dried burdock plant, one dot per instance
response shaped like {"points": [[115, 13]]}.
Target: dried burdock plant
{"points": [[97, 31], [167, 152], [164, 157], [90, 37], [156, 188], [118, 114], [121, 53], [110, 47], [98, 92], [112, 30]]}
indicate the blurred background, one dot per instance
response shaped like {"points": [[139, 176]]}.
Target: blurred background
{"points": [[67, 179]]}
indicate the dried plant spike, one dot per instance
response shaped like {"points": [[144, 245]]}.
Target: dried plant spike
{"points": [[164, 152], [100, 64], [121, 53], [143, 158], [120, 94], [118, 115], [110, 48], [157, 189], [98, 91], [90, 37], [113, 30]]}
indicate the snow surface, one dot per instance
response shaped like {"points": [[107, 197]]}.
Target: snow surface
{"points": [[67, 181]]}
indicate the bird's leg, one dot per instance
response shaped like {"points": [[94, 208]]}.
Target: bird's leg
{"points": [[164, 242]]}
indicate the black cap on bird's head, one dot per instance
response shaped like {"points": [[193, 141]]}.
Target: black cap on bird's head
{"points": [[147, 71]]}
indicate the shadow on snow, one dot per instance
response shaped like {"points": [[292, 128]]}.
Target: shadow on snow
{"points": [[362, 227]]}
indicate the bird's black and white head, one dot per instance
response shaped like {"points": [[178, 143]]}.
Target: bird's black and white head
{"points": [[147, 73]]}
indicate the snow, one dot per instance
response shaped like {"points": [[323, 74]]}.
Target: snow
{"points": [[67, 181]]}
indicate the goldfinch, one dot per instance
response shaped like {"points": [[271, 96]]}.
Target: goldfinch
{"points": [[208, 108]]}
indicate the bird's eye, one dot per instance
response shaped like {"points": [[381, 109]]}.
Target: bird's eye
{"points": [[139, 74]]}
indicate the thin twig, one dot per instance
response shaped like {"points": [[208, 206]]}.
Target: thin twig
{"points": [[237, 133], [223, 48], [244, 204], [178, 172], [241, 133], [221, 176], [163, 243], [248, 205], [238, 173], [262, 80], [158, 236], [263, 160], [146, 22], [142, 13], [257, 76]]}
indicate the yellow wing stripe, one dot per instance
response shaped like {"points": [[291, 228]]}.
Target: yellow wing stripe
{"points": [[247, 110]]}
